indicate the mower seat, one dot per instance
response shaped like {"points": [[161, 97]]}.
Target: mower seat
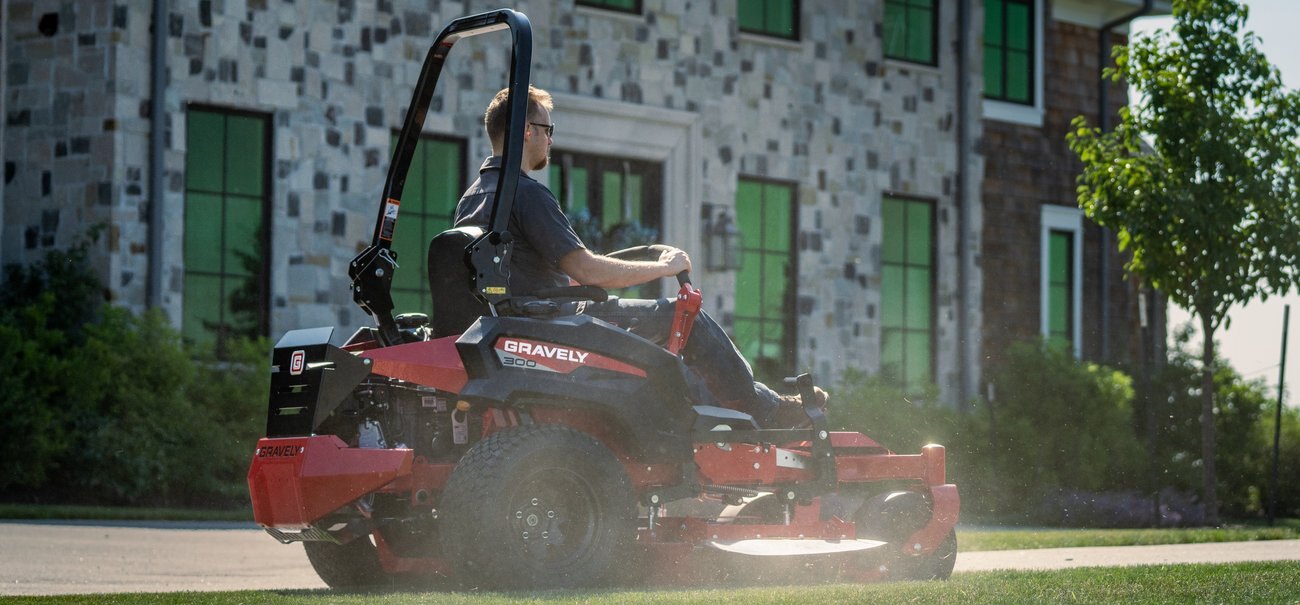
{"points": [[455, 307]]}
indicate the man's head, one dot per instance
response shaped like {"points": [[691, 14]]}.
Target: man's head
{"points": [[537, 137]]}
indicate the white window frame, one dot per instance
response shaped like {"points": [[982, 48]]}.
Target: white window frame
{"points": [[639, 132], [1062, 218], [1016, 113]]}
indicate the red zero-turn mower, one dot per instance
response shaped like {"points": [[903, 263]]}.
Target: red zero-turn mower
{"points": [[504, 444]]}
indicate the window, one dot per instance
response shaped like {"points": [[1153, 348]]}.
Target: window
{"points": [[434, 184], [764, 323], [227, 189], [1062, 268], [624, 6], [1060, 288], [907, 293], [1009, 51], [777, 18], [910, 27], [613, 203]]}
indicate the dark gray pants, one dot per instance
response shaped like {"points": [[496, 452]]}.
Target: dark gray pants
{"points": [[709, 353]]}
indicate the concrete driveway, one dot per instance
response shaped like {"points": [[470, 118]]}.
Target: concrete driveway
{"points": [[66, 558]]}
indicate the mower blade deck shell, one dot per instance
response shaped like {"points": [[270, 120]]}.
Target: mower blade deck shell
{"points": [[776, 547]]}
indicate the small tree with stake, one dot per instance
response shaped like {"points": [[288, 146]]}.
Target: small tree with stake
{"points": [[1210, 212]]}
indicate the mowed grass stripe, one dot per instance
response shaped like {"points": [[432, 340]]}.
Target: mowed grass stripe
{"points": [[1177, 584]]}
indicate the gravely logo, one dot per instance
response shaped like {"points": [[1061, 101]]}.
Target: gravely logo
{"points": [[296, 362], [533, 355], [543, 350]]}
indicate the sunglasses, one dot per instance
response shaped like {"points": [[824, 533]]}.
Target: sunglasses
{"points": [[550, 128]]}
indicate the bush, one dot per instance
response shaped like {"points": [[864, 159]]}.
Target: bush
{"points": [[105, 407], [1243, 452], [887, 414], [1054, 426]]}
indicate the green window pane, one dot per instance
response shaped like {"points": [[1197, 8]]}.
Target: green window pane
{"points": [[202, 235], [445, 161], [749, 211], [918, 298], [245, 145], [409, 301], [749, 285], [204, 136], [1059, 252], [917, 360], [893, 235], [749, 16], [993, 73], [414, 191], [895, 25], [892, 309], [1018, 26], [202, 308], [891, 356], [1058, 309], [775, 285], [580, 180], [780, 18], [920, 35], [611, 193], [918, 234], [1018, 77], [747, 337], [993, 15], [776, 218], [242, 235], [634, 185]]}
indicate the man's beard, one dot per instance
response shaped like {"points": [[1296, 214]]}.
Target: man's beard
{"points": [[540, 164]]}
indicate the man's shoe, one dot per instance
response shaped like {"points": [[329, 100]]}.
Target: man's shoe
{"points": [[790, 414]]}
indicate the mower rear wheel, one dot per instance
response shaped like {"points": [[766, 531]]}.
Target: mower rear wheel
{"points": [[346, 566], [540, 506], [936, 565]]}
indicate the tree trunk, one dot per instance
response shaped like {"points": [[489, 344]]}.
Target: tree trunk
{"points": [[1209, 479]]}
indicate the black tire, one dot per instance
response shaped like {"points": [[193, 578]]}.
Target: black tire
{"points": [[936, 565], [346, 566], [541, 506]]}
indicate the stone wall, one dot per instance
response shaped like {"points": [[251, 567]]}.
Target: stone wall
{"points": [[828, 114]]}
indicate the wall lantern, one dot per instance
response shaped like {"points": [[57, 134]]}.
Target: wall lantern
{"points": [[721, 241]]}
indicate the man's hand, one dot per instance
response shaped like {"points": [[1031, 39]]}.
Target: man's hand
{"points": [[675, 260]]}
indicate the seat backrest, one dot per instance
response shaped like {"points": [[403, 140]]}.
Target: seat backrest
{"points": [[454, 305]]}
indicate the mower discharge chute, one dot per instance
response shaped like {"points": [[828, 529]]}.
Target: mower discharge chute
{"points": [[504, 444]]}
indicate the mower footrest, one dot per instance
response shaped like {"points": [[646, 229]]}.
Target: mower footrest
{"points": [[785, 547]]}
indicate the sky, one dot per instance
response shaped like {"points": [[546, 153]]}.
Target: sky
{"points": [[1252, 342]]}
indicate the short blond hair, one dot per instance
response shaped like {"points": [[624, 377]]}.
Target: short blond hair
{"points": [[495, 118]]}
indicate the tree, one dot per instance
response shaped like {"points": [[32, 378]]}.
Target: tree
{"points": [[1208, 210]]}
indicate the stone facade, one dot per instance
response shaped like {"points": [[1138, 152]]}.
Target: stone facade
{"points": [[677, 83]]}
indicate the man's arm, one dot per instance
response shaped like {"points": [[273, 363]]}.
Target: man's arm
{"points": [[591, 269]]}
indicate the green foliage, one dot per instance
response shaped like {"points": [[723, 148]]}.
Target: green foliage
{"points": [[31, 439], [1054, 424], [1288, 483], [1241, 411], [887, 414], [105, 407], [1201, 180]]}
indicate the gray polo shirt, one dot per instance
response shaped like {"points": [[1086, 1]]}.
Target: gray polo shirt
{"points": [[542, 233]]}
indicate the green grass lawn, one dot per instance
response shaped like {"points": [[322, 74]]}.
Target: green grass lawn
{"points": [[1236, 583], [972, 540]]}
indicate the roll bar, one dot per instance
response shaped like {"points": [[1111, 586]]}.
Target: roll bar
{"points": [[371, 271]]}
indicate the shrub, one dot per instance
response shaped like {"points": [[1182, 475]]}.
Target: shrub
{"points": [[901, 422], [1240, 410], [1054, 425], [105, 407]]}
